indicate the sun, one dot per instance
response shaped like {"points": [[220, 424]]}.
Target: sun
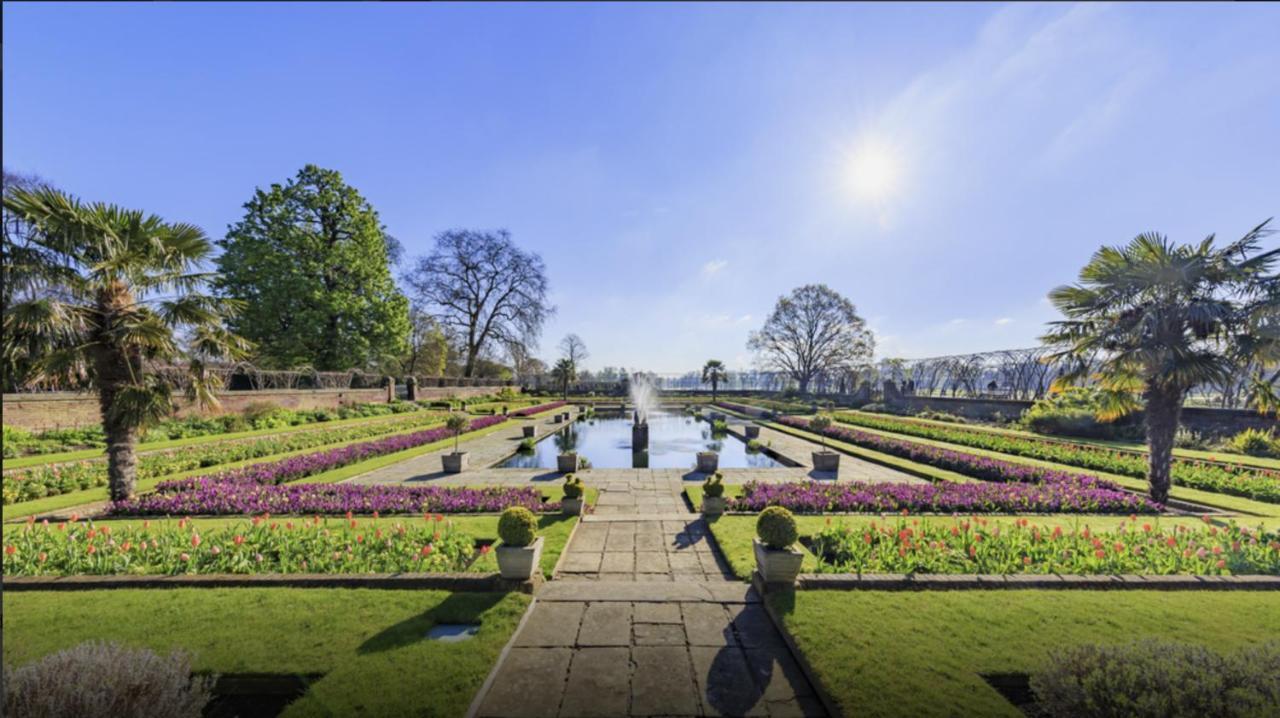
{"points": [[875, 171]]}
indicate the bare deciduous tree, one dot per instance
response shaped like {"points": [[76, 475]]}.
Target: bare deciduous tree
{"points": [[483, 288], [574, 349], [810, 331]]}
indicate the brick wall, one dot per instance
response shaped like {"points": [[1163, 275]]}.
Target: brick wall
{"points": [[71, 409]]}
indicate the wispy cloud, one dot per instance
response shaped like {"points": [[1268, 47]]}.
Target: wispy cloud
{"points": [[714, 267], [1003, 321]]}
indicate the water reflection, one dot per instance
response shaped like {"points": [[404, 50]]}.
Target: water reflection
{"points": [[674, 441]]}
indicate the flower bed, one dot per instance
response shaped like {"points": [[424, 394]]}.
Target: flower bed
{"points": [[297, 467], [1234, 479], [530, 411], [1056, 494], [264, 546], [40, 481], [974, 546], [244, 496], [979, 467]]}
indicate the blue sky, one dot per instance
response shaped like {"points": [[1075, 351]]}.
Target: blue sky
{"points": [[681, 166]]}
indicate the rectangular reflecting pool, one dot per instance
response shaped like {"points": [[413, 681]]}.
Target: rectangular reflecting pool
{"points": [[674, 442]]}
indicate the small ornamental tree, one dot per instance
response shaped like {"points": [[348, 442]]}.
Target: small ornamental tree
{"points": [[456, 423], [819, 425]]}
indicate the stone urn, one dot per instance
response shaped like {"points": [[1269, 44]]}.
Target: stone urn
{"points": [[571, 507], [752, 431], [517, 563], [559, 418], [455, 463], [778, 566], [713, 505], [567, 463], [529, 431], [826, 461], [708, 462]]}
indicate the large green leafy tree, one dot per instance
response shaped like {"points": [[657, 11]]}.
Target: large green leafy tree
{"points": [[1154, 319], [114, 296], [311, 261], [713, 373]]}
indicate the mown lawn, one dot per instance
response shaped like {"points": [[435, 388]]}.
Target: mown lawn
{"points": [[368, 643], [885, 653]]}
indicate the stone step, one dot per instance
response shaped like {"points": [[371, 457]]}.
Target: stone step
{"points": [[685, 591], [607, 518]]}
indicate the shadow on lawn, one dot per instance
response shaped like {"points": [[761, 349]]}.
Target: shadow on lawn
{"points": [[457, 608]]}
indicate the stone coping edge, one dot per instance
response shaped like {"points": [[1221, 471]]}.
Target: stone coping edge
{"points": [[824, 696], [944, 582], [419, 581]]}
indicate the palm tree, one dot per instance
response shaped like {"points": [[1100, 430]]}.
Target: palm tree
{"points": [[713, 372], [565, 373], [118, 285], [1155, 319]]}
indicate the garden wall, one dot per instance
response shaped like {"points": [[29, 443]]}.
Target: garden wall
{"points": [[1214, 422], [52, 410]]}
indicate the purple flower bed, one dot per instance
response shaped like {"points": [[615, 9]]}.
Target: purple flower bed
{"points": [[1053, 496], [531, 410], [979, 467], [297, 467], [240, 497]]}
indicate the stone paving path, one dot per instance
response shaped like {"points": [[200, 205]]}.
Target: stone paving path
{"points": [[643, 618]]}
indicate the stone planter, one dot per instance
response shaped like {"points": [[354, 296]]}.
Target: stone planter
{"points": [[517, 563], [717, 416], [559, 418], [567, 463], [455, 463], [712, 505], [571, 507], [708, 462], [777, 566], [529, 431], [826, 461], [752, 431]]}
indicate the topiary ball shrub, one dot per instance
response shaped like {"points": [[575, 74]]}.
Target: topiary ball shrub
{"points": [[106, 679], [517, 526], [1159, 679], [573, 487], [776, 527], [713, 487]]}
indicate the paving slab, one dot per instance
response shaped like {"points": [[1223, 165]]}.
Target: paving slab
{"points": [[606, 624], [599, 683], [662, 684], [526, 685], [552, 624]]}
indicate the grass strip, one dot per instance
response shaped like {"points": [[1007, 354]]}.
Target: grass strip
{"points": [[880, 653], [61, 457], [1225, 502], [367, 643], [87, 496]]}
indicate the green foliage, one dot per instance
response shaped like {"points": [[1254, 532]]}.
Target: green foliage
{"points": [[517, 526], [115, 292], [714, 485], [573, 487], [310, 258], [776, 527], [1255, 442], [754, 445], [942, 416], [527, 445], [1074, 411], [1159, 679]]}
